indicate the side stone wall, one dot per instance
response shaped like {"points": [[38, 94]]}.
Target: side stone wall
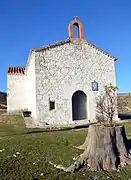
{"points": [[64, 69]]}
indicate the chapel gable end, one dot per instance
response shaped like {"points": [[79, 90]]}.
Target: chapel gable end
{"points": [[73, 37]]}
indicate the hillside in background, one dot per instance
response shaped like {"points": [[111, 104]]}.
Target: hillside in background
{"points": [[124, 101], [3, 98]]}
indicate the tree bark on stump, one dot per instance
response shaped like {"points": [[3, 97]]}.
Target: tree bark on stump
{"points": [[105, 148]]}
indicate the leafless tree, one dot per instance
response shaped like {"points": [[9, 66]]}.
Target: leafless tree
{"points": [[106, 105]]}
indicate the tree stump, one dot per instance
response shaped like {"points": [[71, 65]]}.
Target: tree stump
{"points": [[105, 148]]}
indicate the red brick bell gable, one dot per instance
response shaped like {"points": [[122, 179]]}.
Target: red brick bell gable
{"points": [[79, 25]]}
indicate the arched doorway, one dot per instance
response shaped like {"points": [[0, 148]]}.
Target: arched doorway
{"points": [[79, 100]]}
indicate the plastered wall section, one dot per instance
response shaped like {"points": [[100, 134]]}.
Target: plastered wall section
{"points": [[21, 91], [16, 93], [62, 70]]}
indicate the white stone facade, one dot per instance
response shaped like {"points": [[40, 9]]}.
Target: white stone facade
{"points": [[63, 70], [53, 74]]}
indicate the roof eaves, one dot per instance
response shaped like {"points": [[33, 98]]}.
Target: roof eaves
{"points": [[16, 70], [102, 51]]}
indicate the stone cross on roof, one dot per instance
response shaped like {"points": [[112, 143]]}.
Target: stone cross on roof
{"points": [[75, 18]]}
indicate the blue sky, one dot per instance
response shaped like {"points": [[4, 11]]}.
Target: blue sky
{"points": [[25, 24]]}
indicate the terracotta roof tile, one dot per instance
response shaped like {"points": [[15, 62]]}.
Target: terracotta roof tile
{"points": [[16, 70]]}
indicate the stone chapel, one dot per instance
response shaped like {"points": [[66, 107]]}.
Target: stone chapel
{"points": [[60, 81]]}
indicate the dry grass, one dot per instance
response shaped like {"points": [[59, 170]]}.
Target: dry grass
{"points": [[27, 156]]}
